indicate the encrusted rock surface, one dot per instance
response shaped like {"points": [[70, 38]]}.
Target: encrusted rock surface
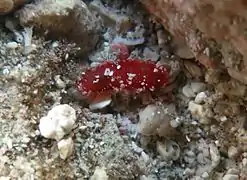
{"points": [[215, 31]]}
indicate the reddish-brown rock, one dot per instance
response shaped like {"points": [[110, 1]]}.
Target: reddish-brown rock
{"points": [[215, 31]]}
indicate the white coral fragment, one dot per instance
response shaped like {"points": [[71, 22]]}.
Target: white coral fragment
{"points": [[65, 147], [28, 35], [58, 122]]}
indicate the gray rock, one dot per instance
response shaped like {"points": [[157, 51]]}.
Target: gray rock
{"points": [[67, 19], [230, 177]]}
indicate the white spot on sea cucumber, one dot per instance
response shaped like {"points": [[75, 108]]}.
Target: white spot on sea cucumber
{"points": [[131, 76], [155, 70], [96, 76], [108, 72], [152, 88], [84, 92], [95, 81], [122, 86], [158, 80], [143, 83], [139, 90], [118, 67]]}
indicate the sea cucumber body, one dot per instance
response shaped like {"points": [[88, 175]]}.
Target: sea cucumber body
{"points": [[130, 75]]}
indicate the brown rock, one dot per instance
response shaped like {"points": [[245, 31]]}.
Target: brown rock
{"points": [[66, 19], [192, 70], [6, 5], [181, 48], [214, 31], [232, 88]]}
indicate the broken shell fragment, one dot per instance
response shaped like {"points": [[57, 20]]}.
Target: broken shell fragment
{"points": [[100, 104], [187, 91], [192, 88], [169, 150], [65, 147]]}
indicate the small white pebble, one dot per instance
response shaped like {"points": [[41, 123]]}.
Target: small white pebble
{"points": [[150, 54], [196, 109], [232, 171], [26, 140], [5, 178], [6, 71], [231, 177], [233, 152], [136, 148], [201, 97], [223, 118], [217, 143], [244, 161], [59, 82], [189, 171], [106, 44], [191, 154], [197, 87], [143, 177], [174, 123], [214, 154], [169, 150], [99, 174], [205, 175], [65, 147], [55, 44], [10, 143], [187, 91], [245, 154], [66, 56], [145, 157], [11, 45], [83, 128]]}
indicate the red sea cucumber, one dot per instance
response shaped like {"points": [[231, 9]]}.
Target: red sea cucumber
{"points": [[130, 75]]}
